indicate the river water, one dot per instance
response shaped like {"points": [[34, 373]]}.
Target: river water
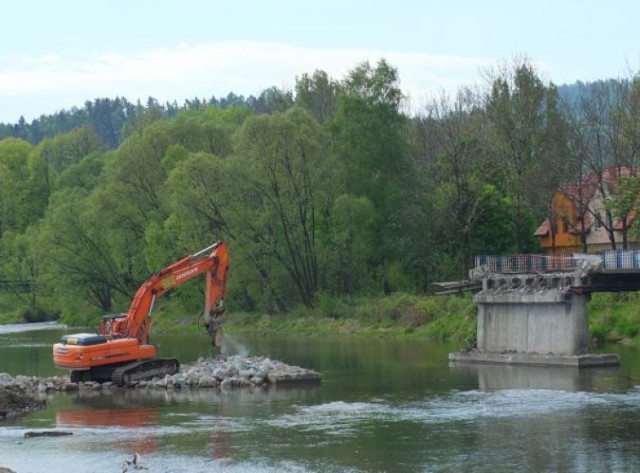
{"points": [[383, 406]]}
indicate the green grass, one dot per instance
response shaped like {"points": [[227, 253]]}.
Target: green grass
{"points": [[615, 317], [443, 318]]}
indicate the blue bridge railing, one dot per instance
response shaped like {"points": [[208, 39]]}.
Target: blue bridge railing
{"points": [[532, 263]]}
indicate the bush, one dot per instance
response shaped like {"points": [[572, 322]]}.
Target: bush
{"points": [[330, 306], [36, 314]]}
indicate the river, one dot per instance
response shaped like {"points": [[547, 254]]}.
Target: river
{"points": [[383, 406]]}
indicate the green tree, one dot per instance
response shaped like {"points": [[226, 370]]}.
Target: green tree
{"points": [[283, 190], [199, 190], [24, 185], [598, 147], [273, 100], [132, 198], [373, 160], [87, 173], [208, 130], [70, 148], [459, 174], [350, 247], [519, 105], [21, 273], [318, 94], [80, 254], [14, 154]]}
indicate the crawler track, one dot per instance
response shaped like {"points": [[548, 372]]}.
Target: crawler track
{"points": [[147, 369]]}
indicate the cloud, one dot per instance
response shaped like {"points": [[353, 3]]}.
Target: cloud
{"points": [[35, 85]]}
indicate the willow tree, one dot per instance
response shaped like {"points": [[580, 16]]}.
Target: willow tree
{"points": [[76, 243], [281, 191]]}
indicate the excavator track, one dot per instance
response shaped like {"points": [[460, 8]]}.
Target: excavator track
{"points": [[147, 369]]}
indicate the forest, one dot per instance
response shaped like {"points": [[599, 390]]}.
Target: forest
{"points": [[332, 190]]}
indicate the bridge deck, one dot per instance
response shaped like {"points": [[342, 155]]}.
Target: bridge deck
{"points": [[609, 271]]}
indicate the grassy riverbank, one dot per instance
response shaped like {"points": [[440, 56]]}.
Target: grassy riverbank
{"points": [[395, 315], [613, 318]]}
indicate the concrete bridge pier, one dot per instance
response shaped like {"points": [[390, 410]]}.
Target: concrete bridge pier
{"points": [[532, 320]]}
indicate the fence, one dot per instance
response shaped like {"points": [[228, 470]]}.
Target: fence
{"points": [[533, 263], [621, 259]]}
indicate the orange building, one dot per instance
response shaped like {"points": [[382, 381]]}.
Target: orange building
{"points": [[560, 233]]}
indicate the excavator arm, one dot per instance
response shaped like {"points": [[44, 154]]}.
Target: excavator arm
{"points": [[213, 261]]}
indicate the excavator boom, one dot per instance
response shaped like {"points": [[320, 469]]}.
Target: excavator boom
{"points": [[119, 351]]}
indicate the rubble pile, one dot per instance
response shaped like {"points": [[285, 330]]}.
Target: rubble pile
{"points": [[236, 372], [22, 393]]}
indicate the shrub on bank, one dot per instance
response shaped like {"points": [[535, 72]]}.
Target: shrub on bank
{"points": [[442, 318], [615, 317]]}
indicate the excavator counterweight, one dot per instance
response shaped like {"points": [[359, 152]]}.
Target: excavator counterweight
{"points": [[121, 352]]}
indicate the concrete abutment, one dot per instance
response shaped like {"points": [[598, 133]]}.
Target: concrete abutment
{"points": [[532, 320]]}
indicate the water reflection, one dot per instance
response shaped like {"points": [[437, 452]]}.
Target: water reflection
{"points": [[492, 377], [134, 398], [143, 420], [30, 327]]}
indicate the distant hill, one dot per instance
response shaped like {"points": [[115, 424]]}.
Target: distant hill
{"points": [[571, 94], [110, 118]]}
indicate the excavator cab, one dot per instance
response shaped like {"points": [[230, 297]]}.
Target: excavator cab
{"points": [[112, 325]]}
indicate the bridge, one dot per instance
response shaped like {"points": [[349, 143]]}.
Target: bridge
{"points": [[532, 309]]}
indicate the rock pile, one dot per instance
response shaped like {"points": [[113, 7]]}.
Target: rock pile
{"points": [[236, 372], [21, 393]]}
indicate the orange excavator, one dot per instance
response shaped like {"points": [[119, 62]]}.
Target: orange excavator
{"points": [[121, 352]]}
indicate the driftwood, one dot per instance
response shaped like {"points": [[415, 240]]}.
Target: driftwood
{"points": [[46, 433]]}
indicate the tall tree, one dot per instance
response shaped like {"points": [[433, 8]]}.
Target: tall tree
{"points": [[520, 108], [461, 178], [283, 188], [318, 94], [273, 100], [374, 162]]}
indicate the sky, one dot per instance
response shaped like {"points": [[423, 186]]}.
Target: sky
{"points": [[57, 55]]}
